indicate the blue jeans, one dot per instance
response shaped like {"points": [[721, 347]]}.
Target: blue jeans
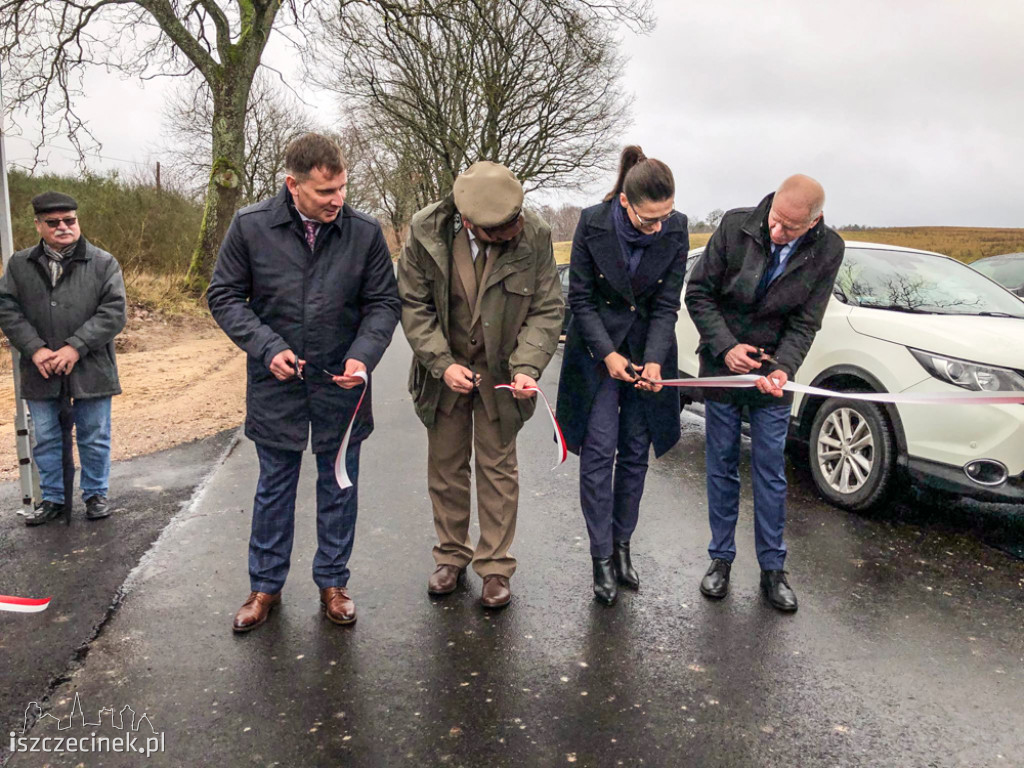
{"points": [[92, 433], [616, 437], [273, 519], [768, 428]]}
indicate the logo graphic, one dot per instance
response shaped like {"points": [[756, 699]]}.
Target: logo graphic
{"points": [[129, 732]]}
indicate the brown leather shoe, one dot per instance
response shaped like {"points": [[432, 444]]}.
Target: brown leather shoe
{"points": [[496, 592], [255, 610], [338, 606], [444, 579]]}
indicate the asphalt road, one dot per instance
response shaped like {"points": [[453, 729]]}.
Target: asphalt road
{"points": [[907, 650]]}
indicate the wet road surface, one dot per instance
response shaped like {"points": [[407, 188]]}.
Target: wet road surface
{"points": [[907, 650]]}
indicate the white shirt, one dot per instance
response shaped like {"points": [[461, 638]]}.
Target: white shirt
{"points": [[474, 245]]}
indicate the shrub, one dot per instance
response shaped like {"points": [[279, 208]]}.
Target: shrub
{"points": [[146, 230]]}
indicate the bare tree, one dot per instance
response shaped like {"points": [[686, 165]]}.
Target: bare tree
{"points": [[46, 45], [273, 118], [479, 79], [563, 220]]}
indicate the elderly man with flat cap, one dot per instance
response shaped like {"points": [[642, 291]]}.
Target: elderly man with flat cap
{"points": [[62, 302], [757, 297], [481, 306]]}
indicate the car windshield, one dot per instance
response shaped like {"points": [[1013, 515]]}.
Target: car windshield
{"points": [[920, 282], [1008, 272]]}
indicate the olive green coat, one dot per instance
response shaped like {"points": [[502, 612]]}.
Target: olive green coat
{"points": [[521, 309]]}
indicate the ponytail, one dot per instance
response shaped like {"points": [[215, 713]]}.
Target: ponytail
{"points": [[631, 155], [642, 178]]}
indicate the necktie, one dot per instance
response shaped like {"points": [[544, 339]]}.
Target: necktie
{"points": [[478, 268], [311, 229], [769, 273]]}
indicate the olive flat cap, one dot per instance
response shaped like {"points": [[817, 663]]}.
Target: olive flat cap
{"points": [[54, 201], [488, 194]]}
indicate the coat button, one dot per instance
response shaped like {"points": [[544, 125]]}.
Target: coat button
{"points": [[601, 276], [487, 324], [53, 303], [472, 341], [660, 282], [632, 309]]}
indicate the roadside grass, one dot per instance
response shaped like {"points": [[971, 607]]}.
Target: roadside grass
{"points": [[162, 293]]}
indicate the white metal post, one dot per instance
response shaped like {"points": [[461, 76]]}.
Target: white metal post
{"points": [[27, 473]]}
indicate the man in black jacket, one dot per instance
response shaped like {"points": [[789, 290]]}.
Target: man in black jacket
{"points": [[757, 297], [62, 302], [305, 285]]}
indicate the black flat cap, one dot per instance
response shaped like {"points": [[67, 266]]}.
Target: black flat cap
{"points": [[53, 201]]}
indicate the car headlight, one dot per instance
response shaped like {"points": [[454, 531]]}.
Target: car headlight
{"points": [[980, 378]]}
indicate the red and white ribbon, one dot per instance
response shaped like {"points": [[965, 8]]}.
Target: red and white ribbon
{"points": [[559, 439], [23, 604], [340, 473], [747, 380]]}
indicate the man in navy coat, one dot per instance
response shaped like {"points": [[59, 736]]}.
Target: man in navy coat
{"points": [[305, 285]]}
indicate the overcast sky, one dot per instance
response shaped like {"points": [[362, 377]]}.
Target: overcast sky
{"points": [[910, 112]]}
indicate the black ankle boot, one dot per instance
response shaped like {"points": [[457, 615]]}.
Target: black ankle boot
{"points": [[605, 590], [624, 571]]}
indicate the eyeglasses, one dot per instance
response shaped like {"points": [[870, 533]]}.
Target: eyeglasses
{"points": [[648, 222], [67, 221], [505, 231]]}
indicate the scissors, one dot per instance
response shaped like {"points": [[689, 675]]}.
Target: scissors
{"points": [[307, 365], [764, 357]]}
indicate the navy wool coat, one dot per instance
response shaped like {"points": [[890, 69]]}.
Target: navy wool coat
{"points": [[270, 293], [613, 312]]}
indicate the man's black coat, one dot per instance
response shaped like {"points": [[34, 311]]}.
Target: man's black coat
{"points": [[720, 297], [270, 293]]}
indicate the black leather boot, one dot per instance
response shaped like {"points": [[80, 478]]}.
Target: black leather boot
{"points": [[605, 590], [624, 571]]}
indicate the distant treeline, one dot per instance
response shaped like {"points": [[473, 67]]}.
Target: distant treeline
{"points": [[147, 230], [154, 232]]}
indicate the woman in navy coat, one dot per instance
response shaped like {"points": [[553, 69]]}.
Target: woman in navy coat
{"points": [[625, 281]]}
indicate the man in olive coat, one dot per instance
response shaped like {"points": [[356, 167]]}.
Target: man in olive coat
{"points": [[305, 285], [757, 296], [62, 302], [481, 306]]}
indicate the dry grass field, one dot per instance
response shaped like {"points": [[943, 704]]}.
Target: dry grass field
{"points": [[964, 243]]}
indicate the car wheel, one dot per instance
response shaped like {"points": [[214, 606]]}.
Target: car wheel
{"points": [[852, 453]]}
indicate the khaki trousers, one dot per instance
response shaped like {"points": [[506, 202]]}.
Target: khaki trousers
{"points": [[451, 441]]}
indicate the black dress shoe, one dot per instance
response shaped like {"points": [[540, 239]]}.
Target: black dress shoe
{"points": [[605, 590], [716, 581], [776, 588], [44, 513], [624, 571], [96, 508]]}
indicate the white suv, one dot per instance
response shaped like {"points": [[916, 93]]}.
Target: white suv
{"points": [[902, 320]]}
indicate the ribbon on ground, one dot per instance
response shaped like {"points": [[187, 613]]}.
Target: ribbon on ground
{"points": [[923, 398], [559, 439], [23, 604], [340, 473]]}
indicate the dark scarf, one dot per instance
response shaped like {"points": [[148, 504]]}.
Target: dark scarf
{"points": [[632, 241], [55, 260]]}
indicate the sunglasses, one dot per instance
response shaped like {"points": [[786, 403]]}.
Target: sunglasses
{"points": [[67, 221], [647, 222]]}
